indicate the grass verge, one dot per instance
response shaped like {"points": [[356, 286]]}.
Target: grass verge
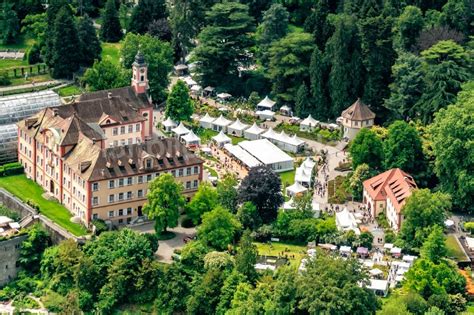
{"points": [[111, 52], [453, 249], [287, 178], [26, 189], [294, 252]]}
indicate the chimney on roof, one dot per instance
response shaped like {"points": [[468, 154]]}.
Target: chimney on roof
{"points": [[109, 95], [55, 112]]}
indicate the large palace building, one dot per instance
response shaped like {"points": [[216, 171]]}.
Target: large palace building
{"points": [[97, 155]]}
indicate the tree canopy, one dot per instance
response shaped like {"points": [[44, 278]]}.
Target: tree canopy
{"points": [[179, 106], [218, 228], [164, 201]]}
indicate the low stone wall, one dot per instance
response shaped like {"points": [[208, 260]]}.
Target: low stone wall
{"points": [[56, 232]]}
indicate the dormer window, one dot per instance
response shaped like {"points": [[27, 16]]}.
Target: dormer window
{"points": [[148, 163]]}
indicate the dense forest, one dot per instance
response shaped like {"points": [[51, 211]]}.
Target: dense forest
{"points": [[411, 61]]}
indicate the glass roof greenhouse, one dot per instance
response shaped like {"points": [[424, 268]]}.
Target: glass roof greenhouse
{"points": [[8, 143], [15, 108], [20, 106]]}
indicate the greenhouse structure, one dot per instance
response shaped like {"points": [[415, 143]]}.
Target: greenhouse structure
{"points": [[17, 107]]}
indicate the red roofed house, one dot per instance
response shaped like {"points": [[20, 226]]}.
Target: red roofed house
{"points": [[388, 191]]}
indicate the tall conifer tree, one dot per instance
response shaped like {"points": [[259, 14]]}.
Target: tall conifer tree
{"points": [[90, 44], [111, 30], [65, 54]]}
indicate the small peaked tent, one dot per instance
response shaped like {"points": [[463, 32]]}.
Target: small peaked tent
{"points": [[221, 123], [221, 139], [191, 139], [168, 124], [266, 103], [237, 128], [181, 130], [308, 124], [265, 114], [206, 121], [254, 132], [295, 190], [269, 134]]}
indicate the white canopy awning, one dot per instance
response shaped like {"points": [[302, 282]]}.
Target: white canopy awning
{"points": [[180, 130], [207, 118], [296, 188], [191, 138], [169, 123], [254, 129], [221, 138], [375, 272], [221, 121], [269, 133], [196, 88], [224, 96], [238, 125], [345, 249], [189, 81], [309, 121], [242, 155], [266, 113], [266, 103]]}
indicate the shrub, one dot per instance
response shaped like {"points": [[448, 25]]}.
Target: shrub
{"points": [[100, 226], [54, 302], [11, 169], [4, 211], [4, 79], [187, 223], [34, 55], [469, 226]]}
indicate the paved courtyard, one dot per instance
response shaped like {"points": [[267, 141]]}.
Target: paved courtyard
{"points": [[166, 248]]}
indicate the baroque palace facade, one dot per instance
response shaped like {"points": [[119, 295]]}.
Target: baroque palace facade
{"points": [[97, 155]]}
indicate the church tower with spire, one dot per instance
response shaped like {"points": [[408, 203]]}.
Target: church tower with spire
{"points": [[140, 74]]}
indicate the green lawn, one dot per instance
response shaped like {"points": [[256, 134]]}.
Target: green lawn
{"points": [[295, 29], [207, 134], [26, 189], [287, 177], [211, 171], [453, 249], [276, 248], [69, 91], [12, 63], [35, 78], [111, 52]]}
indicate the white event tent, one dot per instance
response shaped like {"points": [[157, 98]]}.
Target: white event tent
{"points": [[237, 128], [191, 139], [181, 130], [221, 139], [206, 121], [295, 190], [168, 124], [265, 114], [269, 154], [346, 221], [243, 156], [266, 104], [308, 123], [220, 124], [254, 132]]}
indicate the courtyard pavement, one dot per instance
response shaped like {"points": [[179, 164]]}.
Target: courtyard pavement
{"points": [[166, 248]]}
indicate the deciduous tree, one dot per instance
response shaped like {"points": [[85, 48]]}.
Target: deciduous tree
{"points": [[422, 211], [227, 192], [408, 27], [205, 200], [246, 257], [273, 27], [179, 106], [262, 187], [451, 134], [158, 56], [164, 202], [105, 75], [218, 228], [9, 24], [366, 148]]}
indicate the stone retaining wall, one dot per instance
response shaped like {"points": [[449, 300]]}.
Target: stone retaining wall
{"points": [[56, 232]]}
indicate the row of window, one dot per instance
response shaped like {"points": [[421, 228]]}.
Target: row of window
{"points": [[121, 182], [124, 130], [115, 213], [123, 142]]}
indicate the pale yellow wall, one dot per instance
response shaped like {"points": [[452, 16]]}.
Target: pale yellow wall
{"points": [[125, 133]]}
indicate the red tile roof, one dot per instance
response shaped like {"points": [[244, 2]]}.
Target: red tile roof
{"points": [[394, 184]]}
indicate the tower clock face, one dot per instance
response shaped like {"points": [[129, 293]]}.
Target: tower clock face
{"points": [[142, 70]]}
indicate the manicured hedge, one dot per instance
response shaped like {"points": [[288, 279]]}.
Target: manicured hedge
{"points": [[11, 169]]}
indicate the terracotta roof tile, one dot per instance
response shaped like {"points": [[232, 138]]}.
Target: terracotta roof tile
{"points": [[358, 111]]}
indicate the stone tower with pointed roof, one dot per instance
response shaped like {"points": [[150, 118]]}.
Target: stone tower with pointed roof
{"points": [[356, 117], [140, 74]]}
